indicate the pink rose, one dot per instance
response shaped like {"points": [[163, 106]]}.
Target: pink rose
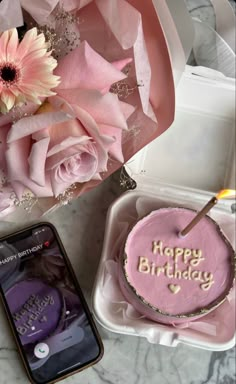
{"points": [[74, 133]]}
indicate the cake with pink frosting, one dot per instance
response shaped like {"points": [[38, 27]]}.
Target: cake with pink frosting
{"points": [[170, 279]]}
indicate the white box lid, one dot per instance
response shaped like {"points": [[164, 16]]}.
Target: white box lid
{"points": [[198, 150]]}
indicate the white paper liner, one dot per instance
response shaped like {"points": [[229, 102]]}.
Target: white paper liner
{"points": [[210, 324]]}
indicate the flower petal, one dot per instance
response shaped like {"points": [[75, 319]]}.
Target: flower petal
{"points": [[28, 109], [67, 143], [86, 170], [115, 148], [91, 127], [37, 160], [60, 132], [12, 45], [64, 151], [4, 38], [18, 172], [8, 99], [32, 124], [103, 142], [26, 44], [105, 109]]}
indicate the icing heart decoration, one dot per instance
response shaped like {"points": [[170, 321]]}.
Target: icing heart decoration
{"points": [[46, 244], [174, 288]]}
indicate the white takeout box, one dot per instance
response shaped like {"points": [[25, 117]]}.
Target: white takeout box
{"points": [[185, 166]]}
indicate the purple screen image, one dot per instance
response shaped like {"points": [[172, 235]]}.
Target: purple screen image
{"points": [[36, 308]]}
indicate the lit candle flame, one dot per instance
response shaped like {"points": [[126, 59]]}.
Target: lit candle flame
{"points": [[226, 193], [223, 194]]}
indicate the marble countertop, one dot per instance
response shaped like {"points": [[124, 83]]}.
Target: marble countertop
{"points": [[127, 359]]}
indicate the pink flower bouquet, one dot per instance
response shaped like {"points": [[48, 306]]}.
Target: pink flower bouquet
{"points": [[84, 85]]}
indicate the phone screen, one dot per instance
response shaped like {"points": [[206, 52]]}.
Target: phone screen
{"points": [[52, 324]]}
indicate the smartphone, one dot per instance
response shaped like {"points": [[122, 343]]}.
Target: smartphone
{"points": [[50, 319]]}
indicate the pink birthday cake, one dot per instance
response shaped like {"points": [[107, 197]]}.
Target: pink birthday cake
{"points": [[170, 279]]}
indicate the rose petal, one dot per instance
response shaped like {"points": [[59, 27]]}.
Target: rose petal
{"points": [[60, 132], [91, 127], [18, 172], [18, 188], [88, 166], [115, 149], [32, 124], [58, 154], [105, 109], [58, 187], [37, 160], [60, 104], [86, 171], [67, 143], [103, 142], [28, 109]]}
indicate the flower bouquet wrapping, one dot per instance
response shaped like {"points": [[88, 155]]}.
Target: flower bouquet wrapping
{"points": [[84, 85]]}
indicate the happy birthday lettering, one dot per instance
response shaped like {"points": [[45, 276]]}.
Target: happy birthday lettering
{"points": [[33, 309], [28, 251], [190, 257]]}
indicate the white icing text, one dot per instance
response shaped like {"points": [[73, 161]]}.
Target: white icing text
{"points": [[190, 257]]}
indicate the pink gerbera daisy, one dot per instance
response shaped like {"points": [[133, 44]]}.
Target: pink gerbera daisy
{"points": [[26, 69]]}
